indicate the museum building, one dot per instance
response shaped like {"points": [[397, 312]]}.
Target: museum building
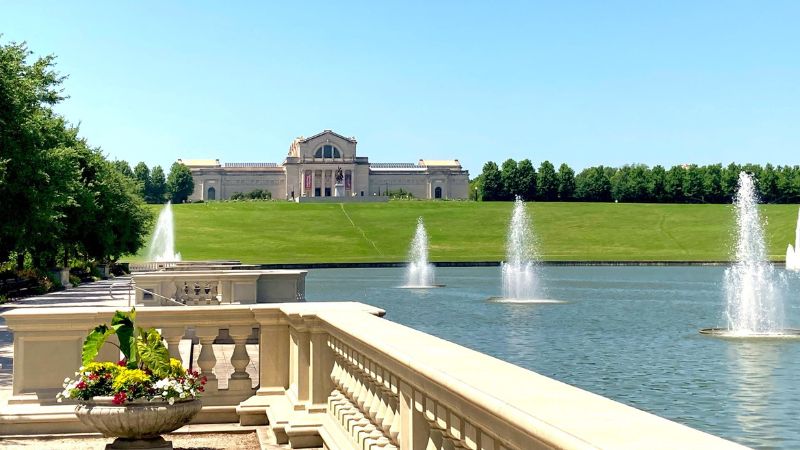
{"points": [[310, 171]]}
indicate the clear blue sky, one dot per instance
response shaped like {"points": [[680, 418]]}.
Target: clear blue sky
{"points": [[585, 83]]}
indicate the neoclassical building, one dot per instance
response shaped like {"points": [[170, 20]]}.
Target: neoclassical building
{"points": [[311, 167]]}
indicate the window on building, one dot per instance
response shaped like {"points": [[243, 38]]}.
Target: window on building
{"points": [[327, 151], [212, 194]]}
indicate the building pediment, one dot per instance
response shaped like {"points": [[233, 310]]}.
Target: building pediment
{"points": [[327, 145]]}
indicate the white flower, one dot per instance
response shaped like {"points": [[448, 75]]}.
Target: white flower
{"points": [[172, 400]]}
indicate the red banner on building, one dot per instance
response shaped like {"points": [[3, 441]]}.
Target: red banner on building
{"points": [[307, 181], [348, 180]]}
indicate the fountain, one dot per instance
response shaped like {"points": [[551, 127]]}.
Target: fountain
{"points": [[793, 253], [752, 288], [420, 273], [520, 278], [162, 245]]}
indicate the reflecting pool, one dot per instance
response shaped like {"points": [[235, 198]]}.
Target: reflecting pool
{"points": [[628, 333]]}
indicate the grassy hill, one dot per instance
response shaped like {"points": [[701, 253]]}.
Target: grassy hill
{"points": [[263, 232]]}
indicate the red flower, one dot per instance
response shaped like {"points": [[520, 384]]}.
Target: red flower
{"points": [[119, 398], [93, 376], [122, 362], [81, 385]]}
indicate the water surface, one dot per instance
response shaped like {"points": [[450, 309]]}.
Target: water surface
{"points": [[628, 333]]}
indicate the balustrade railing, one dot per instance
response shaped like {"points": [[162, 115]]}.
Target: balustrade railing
{"points": [[215, 287], [339, 376]]}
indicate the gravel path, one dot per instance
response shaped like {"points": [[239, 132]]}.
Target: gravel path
{"points": [[210, 441]]}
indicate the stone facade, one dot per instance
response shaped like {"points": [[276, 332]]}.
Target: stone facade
{"points": [[310, 170]]}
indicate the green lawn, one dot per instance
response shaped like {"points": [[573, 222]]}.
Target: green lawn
{"points": [[264, 232]]}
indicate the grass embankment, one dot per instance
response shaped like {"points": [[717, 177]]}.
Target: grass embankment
{"points": [[265, 232]]}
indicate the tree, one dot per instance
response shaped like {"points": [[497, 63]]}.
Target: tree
{"points": [[158, 186], [658, 187], [142, 175], [124, 168], [509, 177], [527, 179], [30, 175], [547, 182], [593, 185], [730, 182], [566, 183], [66, 198], [180, 183], [674, 184], [631, 184], [768, 184], [712, 184], [491, 189]]}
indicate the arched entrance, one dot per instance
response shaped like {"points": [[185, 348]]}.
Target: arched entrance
{"points": [[212, 194], [437, 193]]}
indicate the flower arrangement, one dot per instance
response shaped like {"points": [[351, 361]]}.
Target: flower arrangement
{"points": [[146, 373]]}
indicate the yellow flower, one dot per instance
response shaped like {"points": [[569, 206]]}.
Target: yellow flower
{"points": [[176, 368], [127, 377], [102, 367]]}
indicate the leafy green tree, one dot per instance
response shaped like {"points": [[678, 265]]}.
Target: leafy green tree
{"points": [[566, 183], [674, 184], [30, 179], [768, 185], [658, 188], [66, 199], [509, 177], [593, 185], [713, 191], [180, 183], [693, 184], [142, 175], [788, 184], [527, 179], [124, 168], [630, 184], [730, 182], [158, 186], [492, 187], [547, 182]]}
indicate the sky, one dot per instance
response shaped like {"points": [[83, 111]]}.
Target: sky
{"points": [[581, 82]]}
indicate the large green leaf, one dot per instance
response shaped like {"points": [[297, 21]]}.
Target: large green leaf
{"points": [[94, 341], [122, 323], [153, 353]]}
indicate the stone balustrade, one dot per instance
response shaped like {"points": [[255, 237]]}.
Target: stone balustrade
{"points": [[151, 266], [337, 375], [215, 287]]}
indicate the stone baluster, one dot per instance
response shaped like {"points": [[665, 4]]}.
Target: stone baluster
{"points": [[207, 359], [173, 336], [240, 380]]}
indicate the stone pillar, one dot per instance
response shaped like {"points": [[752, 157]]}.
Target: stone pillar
{"points": [[173, 337], [322, 182], [300, 362], [207, 359], [414, 429], [273, 358], [313, 183], [240, 380], [321, 368]]}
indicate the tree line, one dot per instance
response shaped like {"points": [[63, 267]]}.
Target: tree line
{"points": [[687, 183], [62, 200], [153, 187]]}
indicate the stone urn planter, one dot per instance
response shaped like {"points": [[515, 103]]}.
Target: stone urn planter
{"points": [[138, 424]]}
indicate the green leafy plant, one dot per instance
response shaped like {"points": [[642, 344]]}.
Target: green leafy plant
{"points": [[145, 372]]}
